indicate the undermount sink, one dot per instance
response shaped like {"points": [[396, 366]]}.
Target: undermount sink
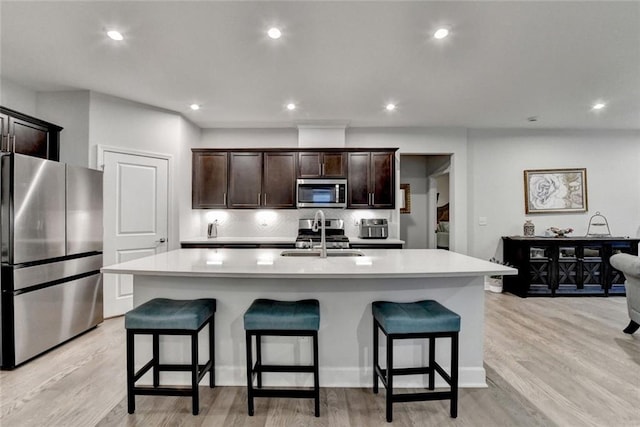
{"points": [[316, 252]]}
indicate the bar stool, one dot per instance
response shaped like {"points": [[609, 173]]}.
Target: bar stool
{"points": [[267, 317], [420, 319], [161, 316]]}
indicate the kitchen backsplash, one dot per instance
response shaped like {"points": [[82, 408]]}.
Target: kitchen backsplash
{"points": [[283, 223]]}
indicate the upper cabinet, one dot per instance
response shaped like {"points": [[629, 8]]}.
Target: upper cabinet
{"points": [[209, 180], [318, 164], [27, 135], [246, 179], [262, 180], [371, 180], [279, 180]]}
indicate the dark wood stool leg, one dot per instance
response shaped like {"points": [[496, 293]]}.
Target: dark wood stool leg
{"points": [[375, 356], [194, 373], [249, 375], [389, 378], [156, 360], [316, 374], [131, 398], [259, 358], [432, 359], [454, 375], [212, 353]]}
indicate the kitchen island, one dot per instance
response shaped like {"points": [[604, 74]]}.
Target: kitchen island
{"points": [[345, 287]]}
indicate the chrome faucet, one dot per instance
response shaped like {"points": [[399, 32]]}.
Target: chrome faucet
{"points": [[323, 238]]}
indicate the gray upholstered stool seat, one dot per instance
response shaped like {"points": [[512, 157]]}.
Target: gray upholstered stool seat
{"points": [[266, 317], [420, 319], [163, 313], [162, 316], [283, 315], [415, 317]]}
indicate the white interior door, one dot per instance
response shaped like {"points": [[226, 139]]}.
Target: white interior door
{"points": [[135, 219]]}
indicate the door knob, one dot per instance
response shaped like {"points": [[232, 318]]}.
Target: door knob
{"points": [[162, 240]]}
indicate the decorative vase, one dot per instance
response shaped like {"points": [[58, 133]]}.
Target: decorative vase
{"points": [[529, 229]]}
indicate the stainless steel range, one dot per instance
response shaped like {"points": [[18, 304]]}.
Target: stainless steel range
{"points": [[335, 237]]}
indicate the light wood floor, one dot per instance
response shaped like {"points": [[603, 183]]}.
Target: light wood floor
{"points": [[550, 362]]}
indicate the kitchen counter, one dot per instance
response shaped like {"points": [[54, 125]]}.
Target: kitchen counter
{"points": [[241, 240], [345, 287], [199, 242]]}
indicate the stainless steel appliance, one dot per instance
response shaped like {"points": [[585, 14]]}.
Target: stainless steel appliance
{"points": [[51, 236], [334, 229], [322, 193], [373, 228]]}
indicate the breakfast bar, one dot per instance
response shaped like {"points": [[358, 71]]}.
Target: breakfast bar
{"points": [[345, 283]]}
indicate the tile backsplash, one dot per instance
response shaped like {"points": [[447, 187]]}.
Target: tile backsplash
{"points": [[283, 223]]}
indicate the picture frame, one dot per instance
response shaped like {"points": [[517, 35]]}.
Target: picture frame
{"points": [[555, 190], [405, 199]]}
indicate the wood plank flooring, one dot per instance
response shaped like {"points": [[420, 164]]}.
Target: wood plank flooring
{"points": [[549, 362]]}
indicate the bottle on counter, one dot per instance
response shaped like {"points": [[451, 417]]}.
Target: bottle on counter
{"points": [[212, 229]]}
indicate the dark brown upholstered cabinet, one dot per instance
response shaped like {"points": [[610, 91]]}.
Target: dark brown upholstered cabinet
{"points": [[318, 164], [209, 179], [371, 180], [549, 266], [28, 135], [258, 179]]}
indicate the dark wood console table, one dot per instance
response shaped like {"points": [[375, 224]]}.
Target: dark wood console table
{"points": [[554, 266]]}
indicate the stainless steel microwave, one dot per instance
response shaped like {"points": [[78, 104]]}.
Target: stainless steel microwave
{"points": [[322, 193]]}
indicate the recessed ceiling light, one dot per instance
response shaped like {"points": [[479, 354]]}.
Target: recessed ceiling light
{"points": [[390, 107], [115, 35], [274, 33], [441, 33], [291, 106], [598, 106], [194, 107]]}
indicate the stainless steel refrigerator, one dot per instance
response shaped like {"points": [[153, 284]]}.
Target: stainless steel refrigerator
{"points": [[51, 236]]}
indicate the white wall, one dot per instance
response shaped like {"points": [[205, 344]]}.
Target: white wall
{"points": [[497, 159], [17, 97], [414, 227], [116, 122], [69, 109]]}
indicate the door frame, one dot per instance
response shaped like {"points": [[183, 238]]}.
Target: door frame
{"points": [[102, 149]]}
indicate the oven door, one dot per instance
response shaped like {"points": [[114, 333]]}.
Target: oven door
{"points": [[322, 193]]}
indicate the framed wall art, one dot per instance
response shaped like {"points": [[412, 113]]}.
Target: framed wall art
{"points": [[405, 199], [555, 190]]}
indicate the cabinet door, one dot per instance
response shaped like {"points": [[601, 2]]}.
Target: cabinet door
{"points": [[279, 180], [334, 165], [382, 180], [541, 269], [358, 181], [322, 165], [209, 180], [245, 180], [309, 165], [29, 138]]}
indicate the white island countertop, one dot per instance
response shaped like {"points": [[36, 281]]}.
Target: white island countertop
{"points": [[252, 263]]}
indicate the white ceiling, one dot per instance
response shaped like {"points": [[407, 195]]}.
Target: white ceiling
{"points": [[340, 61]]}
